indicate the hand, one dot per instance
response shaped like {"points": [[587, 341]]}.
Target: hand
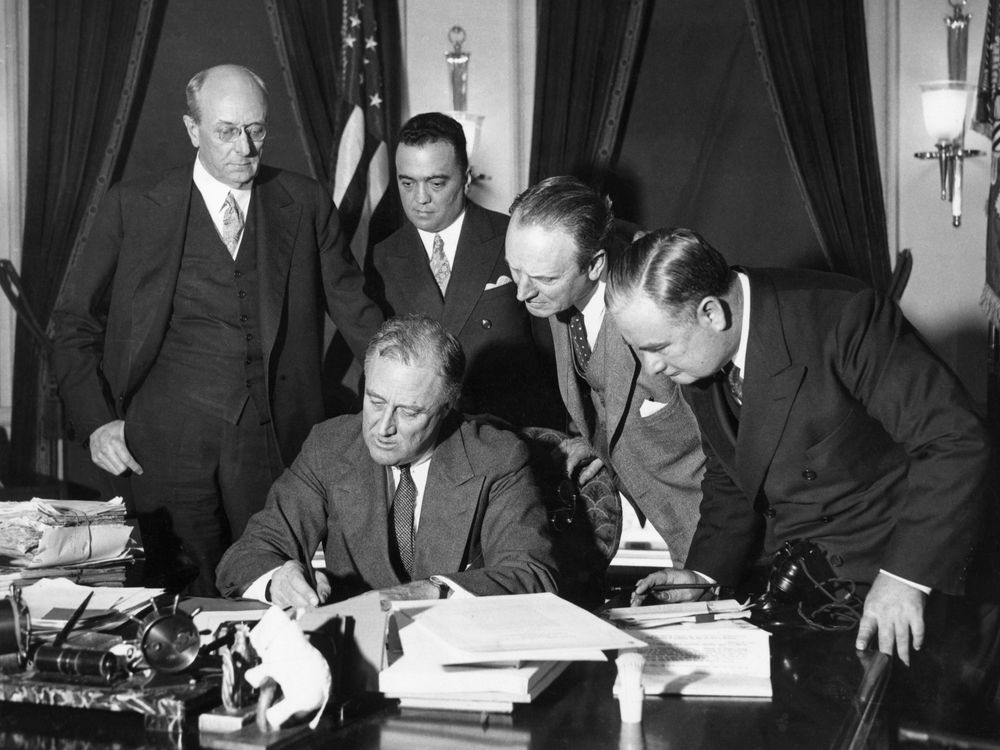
{"points": [[291, 588], [668, 575], [108, 450], [894, 611], [412, 590], [577, 455]]}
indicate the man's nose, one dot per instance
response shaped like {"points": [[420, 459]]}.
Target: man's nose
{"points": [[525, 289], [387, 422], [244, 144], [653, 364], [423, 195]]}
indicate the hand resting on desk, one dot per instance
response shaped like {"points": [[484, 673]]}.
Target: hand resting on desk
{"points": [[291, 588], [894, 613], [669, 576]]}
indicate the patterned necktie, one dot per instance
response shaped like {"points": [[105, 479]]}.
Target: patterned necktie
{"points": [[404, 503], [735, 378], [439, 264], [232, 225], [578, 334]]}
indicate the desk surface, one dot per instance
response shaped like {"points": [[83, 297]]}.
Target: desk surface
{"points": [[816, 678]]}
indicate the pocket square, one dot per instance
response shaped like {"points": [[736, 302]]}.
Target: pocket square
{"points": [[648, 408], [504, 279]]}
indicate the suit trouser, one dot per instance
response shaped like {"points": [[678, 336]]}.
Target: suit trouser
{"points": [[202, 479]]}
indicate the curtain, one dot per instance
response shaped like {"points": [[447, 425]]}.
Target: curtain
{"points": [[814, 59], [586, 64], [85, 64]]}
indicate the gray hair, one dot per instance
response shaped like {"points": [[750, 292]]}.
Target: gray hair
{"points": [[198, 80]]}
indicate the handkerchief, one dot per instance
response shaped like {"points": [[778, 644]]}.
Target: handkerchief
{"points": [[648, 408], [504, 279]]}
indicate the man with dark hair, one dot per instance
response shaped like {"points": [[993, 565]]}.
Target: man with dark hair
{"points": [[447, 262], [560, 236], [825, 418], [189, 334], [407, 497]]}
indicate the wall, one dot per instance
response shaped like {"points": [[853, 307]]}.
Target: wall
{"points": [[500, 37], [907, 45]]}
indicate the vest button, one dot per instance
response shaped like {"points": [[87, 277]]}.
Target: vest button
{"points": [[243, 319], [242, 294], [809, 475], [826, 519], [486, 323], [249, 337], [770, 512], [237, 274]]}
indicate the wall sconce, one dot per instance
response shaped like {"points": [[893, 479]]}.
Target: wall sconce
{"points": [[946, 106], [458, 66]]}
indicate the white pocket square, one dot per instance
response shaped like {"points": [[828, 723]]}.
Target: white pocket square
{"points": [[648, 408], [499, 282]]}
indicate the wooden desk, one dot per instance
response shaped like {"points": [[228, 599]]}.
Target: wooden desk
{"points": [[816, 678]]}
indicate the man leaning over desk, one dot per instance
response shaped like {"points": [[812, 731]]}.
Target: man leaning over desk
{"points": [[824, 416], [407, 497]]}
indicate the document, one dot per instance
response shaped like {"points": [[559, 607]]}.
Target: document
{"points": [[726, 658], [657, 615]]}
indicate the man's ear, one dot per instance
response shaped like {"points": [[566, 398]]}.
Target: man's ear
{"points": [[595, 268], [468, 179], [714, 313], [192, 130]]}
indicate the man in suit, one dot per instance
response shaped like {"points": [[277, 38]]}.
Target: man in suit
{"points": [[825, 418], [447, 262], [189, 336], [560, 236], [406, 497]]}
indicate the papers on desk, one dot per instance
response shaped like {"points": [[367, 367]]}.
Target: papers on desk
{"points": [[491, 653], [51, 602], [657, 615]]}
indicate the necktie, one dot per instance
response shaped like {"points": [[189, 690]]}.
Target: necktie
{"points": [[578, 334], [735, 378], [404, 503], [439, 264], [232, 224]]}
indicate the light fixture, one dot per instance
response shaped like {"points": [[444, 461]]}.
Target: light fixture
{"points": [[458, 65], [946, 105]]}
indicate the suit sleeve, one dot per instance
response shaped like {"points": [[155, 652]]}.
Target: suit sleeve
{"points": [[514, 554], [291, 526], [80, 321], [921, 404], [356, 316]]}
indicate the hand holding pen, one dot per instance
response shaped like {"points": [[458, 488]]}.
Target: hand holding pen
{"points": [[671, 585]]}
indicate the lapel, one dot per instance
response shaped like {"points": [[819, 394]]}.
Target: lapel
{"points": [[569, 389], [408, 271], [151, 272], [769, 388], [451, 498], [474, 262], [621, 370], [362, 509], [277, 217]]}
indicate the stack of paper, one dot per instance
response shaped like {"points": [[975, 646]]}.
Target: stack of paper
{"points": [[84, 540], [51, 602], [491, 653]]}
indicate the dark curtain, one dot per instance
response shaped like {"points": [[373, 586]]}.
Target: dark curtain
{"points": [[85, 62], [312, 50], [586, 63], [814, 57]]}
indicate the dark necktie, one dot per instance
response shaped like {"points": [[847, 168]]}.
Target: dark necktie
{"points": [[735, 378], [404, 503], [578, 335]]}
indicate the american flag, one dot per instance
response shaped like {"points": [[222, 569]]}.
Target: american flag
{"points": [[362, 173]]}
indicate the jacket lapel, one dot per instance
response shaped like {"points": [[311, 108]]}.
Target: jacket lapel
{"points": [[409, 271], [448, 510], [474, 261], [277, 219], [620, 378], [769, 388], [569, 389]]}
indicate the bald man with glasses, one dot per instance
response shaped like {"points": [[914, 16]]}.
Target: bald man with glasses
{"points": [[189, 333]]}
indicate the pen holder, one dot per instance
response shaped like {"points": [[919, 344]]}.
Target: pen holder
{"points": [[630, 690]]}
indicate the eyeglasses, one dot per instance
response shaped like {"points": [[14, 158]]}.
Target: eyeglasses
{"points": [[257, 132]]}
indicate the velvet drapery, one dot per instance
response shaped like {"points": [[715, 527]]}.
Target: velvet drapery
{"points": [[85, 64]]}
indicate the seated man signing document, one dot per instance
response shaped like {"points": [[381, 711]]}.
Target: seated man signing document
{"points": [[402, 492]]}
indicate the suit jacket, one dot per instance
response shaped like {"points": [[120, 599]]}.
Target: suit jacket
{"points": [[481, 520], [506, 373], [668, 497], [116, 305], [851, 434]]}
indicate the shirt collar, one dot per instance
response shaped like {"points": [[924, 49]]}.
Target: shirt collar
{"points": [[449, 234], [214, 192], [593, 313], [740, 359]]}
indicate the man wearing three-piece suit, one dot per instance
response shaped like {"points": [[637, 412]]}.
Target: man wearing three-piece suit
{"points": [[407, 498], [448, 262], [825, 418], [560, 235], [189, 335]]}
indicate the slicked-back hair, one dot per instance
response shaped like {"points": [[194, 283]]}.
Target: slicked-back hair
{"points": [[198, 80], [568, 205], [435, 127], [419, 341], [676, 268]]}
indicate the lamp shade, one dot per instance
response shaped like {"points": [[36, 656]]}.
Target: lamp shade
{"points": [[945, 106]]}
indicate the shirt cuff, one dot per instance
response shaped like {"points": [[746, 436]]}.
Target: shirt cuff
{"points": [[258, 589], [917, 586]]}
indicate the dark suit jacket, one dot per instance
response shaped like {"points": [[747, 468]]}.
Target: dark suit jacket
{"points": [[481, 520], [115, 308], [506, 372], [851, 434], [669, 496]]}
